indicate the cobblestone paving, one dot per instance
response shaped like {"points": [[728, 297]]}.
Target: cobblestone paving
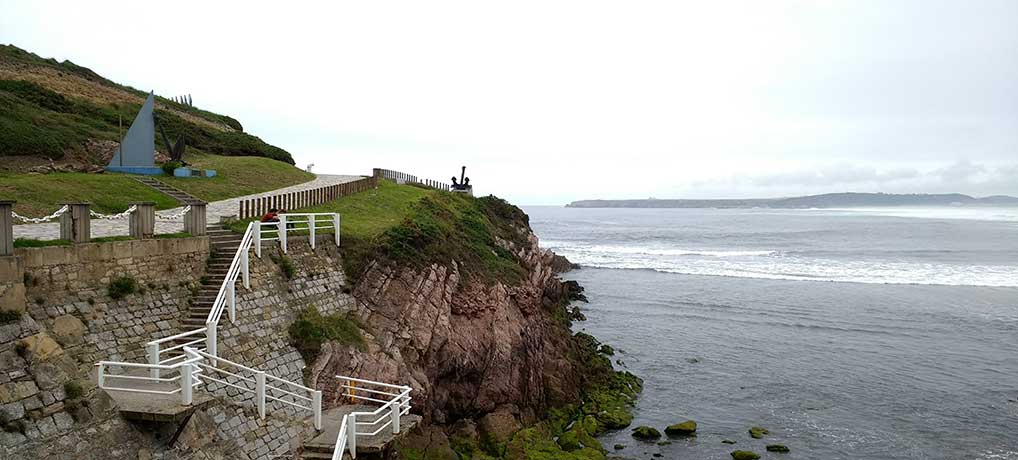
{"points": [[215, 209]]}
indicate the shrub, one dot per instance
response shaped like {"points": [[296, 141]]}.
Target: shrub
{"points": [[73, 389], [121, 287], [311, 330], [169, 166], [9, 316], [286, 265]]}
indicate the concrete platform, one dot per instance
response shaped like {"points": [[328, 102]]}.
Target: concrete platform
{"points": [[321, 446], [153, 407]]}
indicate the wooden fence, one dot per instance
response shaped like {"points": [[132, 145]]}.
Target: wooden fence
{"points": [[410, 179], [255, 207]]}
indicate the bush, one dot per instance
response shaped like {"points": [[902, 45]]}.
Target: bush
{"points": [[121, 287], [73, 389], [169, 166], [286, 265], [311, 330]]}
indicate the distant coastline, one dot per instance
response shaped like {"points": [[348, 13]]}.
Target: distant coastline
{"points": [[829, 200]]}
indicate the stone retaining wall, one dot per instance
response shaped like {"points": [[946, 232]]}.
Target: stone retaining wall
{"points": [[71, 323]]}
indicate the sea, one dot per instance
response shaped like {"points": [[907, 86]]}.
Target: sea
{"points": [[870, 333]]}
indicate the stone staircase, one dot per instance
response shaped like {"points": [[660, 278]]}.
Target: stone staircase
{"points": [[181, 196]]}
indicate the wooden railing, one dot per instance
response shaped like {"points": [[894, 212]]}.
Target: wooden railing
{"points": [[255, 207], [404, 178]]}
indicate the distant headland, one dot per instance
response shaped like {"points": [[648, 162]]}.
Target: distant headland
{"points": [[827, 200]]}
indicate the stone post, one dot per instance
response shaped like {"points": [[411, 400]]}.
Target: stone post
{"points": [[6, 227], [143, 219], [194, 220], [75, 224], [377, 172]]}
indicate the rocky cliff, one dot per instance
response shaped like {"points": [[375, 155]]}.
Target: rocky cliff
{"points": [[467, 345]]}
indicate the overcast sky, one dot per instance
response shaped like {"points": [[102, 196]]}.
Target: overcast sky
{"points": [[547, 102]]}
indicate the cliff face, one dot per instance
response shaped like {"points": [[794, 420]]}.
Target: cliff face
{"points": [[466, 345]]}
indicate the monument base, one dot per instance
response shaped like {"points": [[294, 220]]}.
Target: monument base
{"points": [[189, 172], [144, 170]]}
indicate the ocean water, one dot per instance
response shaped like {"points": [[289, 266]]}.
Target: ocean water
{"points": [[849, 334]]}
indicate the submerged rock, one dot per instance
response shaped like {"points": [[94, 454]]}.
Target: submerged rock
{"points": [[727, 441], [664, 443], [757, 432], [777, 448], [620, 446], [744, 455], [646, 432], [682, 429]]}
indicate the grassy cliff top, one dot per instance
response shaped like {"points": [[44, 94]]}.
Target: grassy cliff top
{"points": [[416, 226], [54, 109]]}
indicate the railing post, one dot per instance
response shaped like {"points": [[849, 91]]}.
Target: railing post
{"points": [[6, 227], [351, 434], [396, 408], [244, 263], [185, 382], [194, 220], [311, 229], [335, 224], [142, 221], [232, 293], [75, 224], [257, 238], [101, 379], [210, 341], [316, 403], [152, 350], [282, 232], [260, 393]]}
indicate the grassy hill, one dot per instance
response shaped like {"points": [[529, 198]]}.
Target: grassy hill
{"points": [[62, 114], [53, 109]]}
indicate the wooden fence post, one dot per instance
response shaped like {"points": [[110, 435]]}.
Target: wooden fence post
{"points": [[75, 224], [194, 220], [142, 222], [6, 227]]}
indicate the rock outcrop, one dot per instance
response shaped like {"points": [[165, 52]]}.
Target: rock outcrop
{"points": [[465, 344]]}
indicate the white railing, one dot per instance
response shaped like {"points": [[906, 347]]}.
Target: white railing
{"points": [[395, 403], [195, 364], [263, 387], [311, 223], [183, 383]]}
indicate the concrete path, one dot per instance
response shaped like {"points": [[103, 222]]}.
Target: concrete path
{"points": [[215, 209]]}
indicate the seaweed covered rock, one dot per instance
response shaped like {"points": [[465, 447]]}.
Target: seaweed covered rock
{"points": [[744, 455], [757, 432], [686, 428], [646, 433], [777, 448]]}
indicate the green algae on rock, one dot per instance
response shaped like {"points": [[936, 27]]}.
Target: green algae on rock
{"points": [[686, 428], [777, 448], [744, 455], [646, 432], [727, 441], [757, 432]]}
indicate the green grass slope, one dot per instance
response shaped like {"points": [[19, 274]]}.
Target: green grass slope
{"points": [[238, 176], [38, 195], [416, 226], [50, 109]]}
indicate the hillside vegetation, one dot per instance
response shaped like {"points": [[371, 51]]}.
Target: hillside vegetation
{"points": [[53, 109], [40, 194]]}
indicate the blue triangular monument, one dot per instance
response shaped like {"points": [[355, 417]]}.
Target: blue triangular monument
{"points": [[136, 153]]}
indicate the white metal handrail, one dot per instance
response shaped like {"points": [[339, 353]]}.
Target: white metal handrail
{"points": [[389, 412], [258, 383], [187, 376]]}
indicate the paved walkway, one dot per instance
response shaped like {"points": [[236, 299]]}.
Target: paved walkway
{"points": [[215, 209]]}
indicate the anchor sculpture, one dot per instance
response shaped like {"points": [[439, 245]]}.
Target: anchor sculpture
{"points": [[463, 186]]}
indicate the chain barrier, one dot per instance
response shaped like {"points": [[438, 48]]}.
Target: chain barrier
{"points": [[176, 216], [39, 220], [113, 216]]}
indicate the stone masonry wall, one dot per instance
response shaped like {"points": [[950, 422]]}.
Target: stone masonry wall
{"points": [[72, 322]]}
